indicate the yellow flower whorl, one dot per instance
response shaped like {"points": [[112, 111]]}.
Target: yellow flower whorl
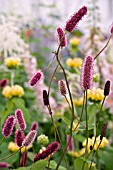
{"points": [[96, 94], [75, 63], [12, 62]]}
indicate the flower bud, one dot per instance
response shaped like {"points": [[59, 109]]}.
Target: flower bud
{"points": [[20, 119], [107, 88], [62, 87], [29, 139], [103, 131], [3, 82], [61, 37], [45, 98], [19, 137], [35, 78], [42, 140]]}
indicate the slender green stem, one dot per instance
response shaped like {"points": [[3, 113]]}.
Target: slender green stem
{"points": [[95, 134], [54, 126], [86, 125], [103, 47], [2, 140], [12, 77], [72, 106], [10, 155]]}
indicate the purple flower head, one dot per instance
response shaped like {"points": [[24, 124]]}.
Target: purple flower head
{"points": [[61, 37], [75, 18], [29, 139], [3, 83], [4, 165], [19, 137], [34, 126], [87, 73], [45, 98], [20, 119], [71, 144], [8, 126], [52, 148], [62, 87], [35, 78]]}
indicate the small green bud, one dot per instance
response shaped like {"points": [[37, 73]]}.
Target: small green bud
{"points": [[96, 77], [42, 140]]}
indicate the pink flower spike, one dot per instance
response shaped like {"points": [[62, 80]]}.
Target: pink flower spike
{"points": [[61, 37], [87, 73], [19, 137], [34, 126], [35, 78], [20, 119], [8, 126], [3, 83], [75, 18], [71, 144], [52, 148], [4, 165], [29, 139]]}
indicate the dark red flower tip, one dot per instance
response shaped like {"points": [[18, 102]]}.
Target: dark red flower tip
{"points": [[35, 78], [45, 98], [52, 148], [34, 126], [3, 82], [107, 88], [19, 137], [8, 126], [75, 18], [61, 37], [20, 119]]}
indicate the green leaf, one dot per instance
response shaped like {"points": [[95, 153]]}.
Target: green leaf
{"points": [[53, 165], [39, 165], [24, 168]]}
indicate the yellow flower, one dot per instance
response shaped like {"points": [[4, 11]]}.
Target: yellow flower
{"points": [[74, 41], [75, 63], [12, 62], [13, 147], [7, 92], [96, 94], [91, 142], [70, 62], [78, 101], [77, 153], [15, 90]]}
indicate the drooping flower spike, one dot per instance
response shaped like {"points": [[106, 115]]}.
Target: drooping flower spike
{"points": [[35, 78], [34, 126], [45, 98], [8, 126], [52, 148], [87, 73], [61, 37], [19, 137], [75, 18], [62, 87], [20, 119], [29, 139], [107, 88], [3, 83]]}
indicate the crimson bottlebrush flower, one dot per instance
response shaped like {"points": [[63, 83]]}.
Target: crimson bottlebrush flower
{"points": [[75, 18], [4, 165], [61, 37], [20, 119], [103, 131], [45, 98], [29, 139], [19, 137], [71, 144], [107, 88], [3, 82], [52, 148], [35, 78], [8, 126], [62, 87], [87, 73], [34, 126]]}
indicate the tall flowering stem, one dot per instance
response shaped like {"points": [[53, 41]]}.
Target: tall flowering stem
{"points": [[103, 47], [72, 106]]}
